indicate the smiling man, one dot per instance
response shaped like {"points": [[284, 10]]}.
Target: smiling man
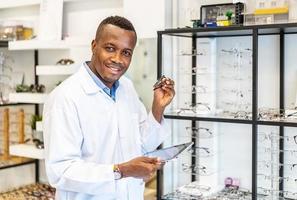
{"points": [[96, 129]]}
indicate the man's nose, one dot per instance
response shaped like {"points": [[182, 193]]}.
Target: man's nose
{"points": [[116, 58]]}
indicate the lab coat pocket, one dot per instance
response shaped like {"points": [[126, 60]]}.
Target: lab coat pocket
{"points": [[130, 125]]}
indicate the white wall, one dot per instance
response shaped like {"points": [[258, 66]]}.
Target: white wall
{"points": [[81, 18], [143, 69]]}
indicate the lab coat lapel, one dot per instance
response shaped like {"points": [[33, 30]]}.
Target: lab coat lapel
{"points": [[88, 84]]}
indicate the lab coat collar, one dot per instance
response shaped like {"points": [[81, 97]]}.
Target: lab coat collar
{"points": [[87, 82]]}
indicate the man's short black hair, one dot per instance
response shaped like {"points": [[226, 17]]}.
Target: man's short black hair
{"points": [[116, 21]]}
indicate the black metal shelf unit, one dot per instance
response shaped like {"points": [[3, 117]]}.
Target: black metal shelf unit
{"points": [[235, 31]]}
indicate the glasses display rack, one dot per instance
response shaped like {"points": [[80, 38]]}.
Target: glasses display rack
{"points": [[242, 150]]}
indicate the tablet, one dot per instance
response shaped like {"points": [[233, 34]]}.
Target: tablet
{"points": [[169, 153]]}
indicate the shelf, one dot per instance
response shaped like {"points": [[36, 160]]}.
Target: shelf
{"points": [[26, 150], [208, 118], [48, 70], [15, 104], [278, 123], [17, 3], [15, 161], [231, 31], [209, 32], [37, 98], [39, 44], [230, 120]]}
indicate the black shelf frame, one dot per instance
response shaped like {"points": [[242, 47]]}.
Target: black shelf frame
{"points": [[3, 43], [232, 31], [32, 161], [237, 31], [36, 81], [16, 104]]}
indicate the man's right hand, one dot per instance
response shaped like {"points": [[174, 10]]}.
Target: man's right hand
{"points": [[140, 167]]}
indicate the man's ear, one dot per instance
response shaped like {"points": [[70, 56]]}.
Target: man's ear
{"points": [[94, 45]]}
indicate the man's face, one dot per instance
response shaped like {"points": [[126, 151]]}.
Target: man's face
{"points": [[112, 53]]}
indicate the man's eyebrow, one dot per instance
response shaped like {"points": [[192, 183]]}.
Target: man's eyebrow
{"points": [[109, 44], [129, 49]]}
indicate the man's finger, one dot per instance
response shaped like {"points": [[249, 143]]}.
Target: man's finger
{"points": [[150, 159]]}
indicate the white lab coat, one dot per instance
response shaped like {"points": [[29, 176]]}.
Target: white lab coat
{"points": [[86, 132]]}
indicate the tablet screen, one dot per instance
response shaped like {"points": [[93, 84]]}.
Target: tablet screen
{"points": [[169, 152]]}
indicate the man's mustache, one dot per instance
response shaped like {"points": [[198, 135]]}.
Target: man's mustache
{"points": [[116, 65]]}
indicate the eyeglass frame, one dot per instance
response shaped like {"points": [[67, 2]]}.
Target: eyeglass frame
{"points": [[196, 131]]}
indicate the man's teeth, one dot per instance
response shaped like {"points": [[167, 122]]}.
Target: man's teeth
{"points": [[114, 68]]}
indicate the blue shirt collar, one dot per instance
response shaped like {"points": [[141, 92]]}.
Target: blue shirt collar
{"points": [[110, 92]]}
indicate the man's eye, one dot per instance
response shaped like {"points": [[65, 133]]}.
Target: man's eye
{"points": [[127, 53], [109, 49]]}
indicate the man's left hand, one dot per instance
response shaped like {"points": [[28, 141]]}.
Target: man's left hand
{"points": [[163, 95]]}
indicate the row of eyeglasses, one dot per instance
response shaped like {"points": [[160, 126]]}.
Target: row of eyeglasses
{"points": [[270, 114], [190, 191], [240, 52], [267, 194], [194, 191]]}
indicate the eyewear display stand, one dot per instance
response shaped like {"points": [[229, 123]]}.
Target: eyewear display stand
{"points": [[246, 114]]}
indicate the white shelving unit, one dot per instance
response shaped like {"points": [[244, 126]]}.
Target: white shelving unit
{"points": [[28, 97], [39, 44], [48, 70], [26, 150]]}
